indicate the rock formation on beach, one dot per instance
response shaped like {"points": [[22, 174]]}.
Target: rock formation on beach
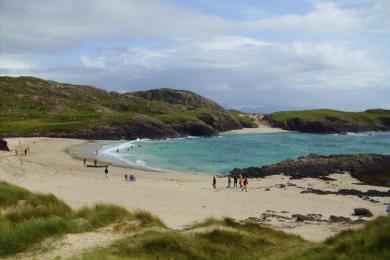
{"points": [[372, 169], [3, 145]]}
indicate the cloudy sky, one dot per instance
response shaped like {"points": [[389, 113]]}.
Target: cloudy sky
{"points": [[249, 53]]}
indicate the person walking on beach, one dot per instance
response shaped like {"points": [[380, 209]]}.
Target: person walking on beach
{"points": [[245, 185], [229, 181], [214, 183], [235, 182], [85, 162], [106, 172], [95, 162], [240, 181]]}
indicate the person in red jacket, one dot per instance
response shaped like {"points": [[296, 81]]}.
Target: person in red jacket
{"points": [[245, 184]]}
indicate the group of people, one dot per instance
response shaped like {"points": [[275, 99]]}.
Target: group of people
{"points": [[243, 182], [130, 177]]}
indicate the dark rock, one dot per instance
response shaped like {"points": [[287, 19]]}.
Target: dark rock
{"points": [[362, 212], [352, 192], [372, 169], [195, 128], [138, 127], [301, 218], [273, 215], [337, 219], [267, 189], [324, 178], [3, 145]]}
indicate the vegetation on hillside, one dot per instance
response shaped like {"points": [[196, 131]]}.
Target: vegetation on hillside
{"points": [[331, 121], [27, 219], [30, 106]]}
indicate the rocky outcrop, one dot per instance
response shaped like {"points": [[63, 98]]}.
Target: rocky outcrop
{"points": [[328, 125], [196, 128], [331, 121], [139, 127], [221, 122], [3, 145], [373, 169], [351, 192]]}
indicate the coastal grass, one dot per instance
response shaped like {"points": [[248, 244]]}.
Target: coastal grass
{"points": [[370, 242], [27, 218], [371, 117], [247, 241]]}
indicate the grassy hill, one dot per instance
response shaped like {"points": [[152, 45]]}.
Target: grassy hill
{"points": [[27, 220], [30, 107], [331, 121]]}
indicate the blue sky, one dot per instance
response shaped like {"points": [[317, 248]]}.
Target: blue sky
{"points": [[266, 55]]}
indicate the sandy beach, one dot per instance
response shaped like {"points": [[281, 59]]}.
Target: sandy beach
{"points": [[178, 199], [262, 127]]}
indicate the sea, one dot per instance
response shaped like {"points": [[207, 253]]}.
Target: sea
{"points": [[220, 154]]}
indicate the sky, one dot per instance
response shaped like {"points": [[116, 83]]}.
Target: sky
{"points": [[254, 55]]}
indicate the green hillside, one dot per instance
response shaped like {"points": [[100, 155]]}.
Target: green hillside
{"points": [[28, 221], [331, 121], [31, 106]]}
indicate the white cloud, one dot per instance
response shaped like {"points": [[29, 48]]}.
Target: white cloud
{"points": [[337, 46], [232, 42], [16, 63], [326, 17], [92, 63], [295, 65]]}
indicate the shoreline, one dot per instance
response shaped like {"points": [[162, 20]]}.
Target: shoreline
{"points": [[181, 199], [87, 149]]}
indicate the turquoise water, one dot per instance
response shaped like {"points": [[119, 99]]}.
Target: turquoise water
{"points": [[225, 152]]}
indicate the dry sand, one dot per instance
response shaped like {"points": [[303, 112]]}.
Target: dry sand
{"points": [[178, 199], [262, 127]]}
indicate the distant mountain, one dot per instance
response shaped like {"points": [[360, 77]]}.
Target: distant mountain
{"points": [[35, 107], [331, 121]]}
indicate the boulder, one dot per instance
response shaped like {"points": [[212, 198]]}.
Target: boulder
{"points": [[362, 212], [3, 145], [337, 219], [301, 218]]}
